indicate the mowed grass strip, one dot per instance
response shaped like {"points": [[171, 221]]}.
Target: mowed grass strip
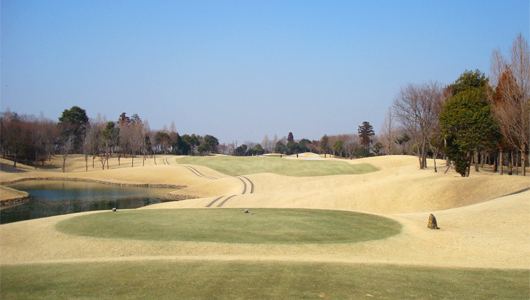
{"points": [[257, 280], [265, 226], [236, 166]]}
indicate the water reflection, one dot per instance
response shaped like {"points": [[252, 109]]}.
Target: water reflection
{"points": [[50, 198]]}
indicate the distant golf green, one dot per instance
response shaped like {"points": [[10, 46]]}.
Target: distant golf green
{"points": [[262, 226], [236, 166]]}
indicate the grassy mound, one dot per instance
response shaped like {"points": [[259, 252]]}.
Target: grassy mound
{"points": [[235, 166], [257, 280], [265, 226]]}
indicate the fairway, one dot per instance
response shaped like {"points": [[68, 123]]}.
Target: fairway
{"points": [[236, 166], [263, 226], [256, 280]]}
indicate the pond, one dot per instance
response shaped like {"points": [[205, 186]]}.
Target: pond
{"points": [[51, 198]]}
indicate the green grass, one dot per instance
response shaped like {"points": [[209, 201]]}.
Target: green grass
{"points": [[265, 226], [235, 166], [256, 280]]}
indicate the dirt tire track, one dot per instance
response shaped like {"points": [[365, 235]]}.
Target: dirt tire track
{"points": [[211, 203], [196, 172], [244, 186], [221, 204], [251, 184]]}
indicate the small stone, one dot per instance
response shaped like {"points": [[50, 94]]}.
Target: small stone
{"points": [[246, 211], [432, 222], [114, 209]]}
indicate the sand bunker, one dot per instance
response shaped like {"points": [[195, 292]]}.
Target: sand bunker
{"points": [[481, 227]]}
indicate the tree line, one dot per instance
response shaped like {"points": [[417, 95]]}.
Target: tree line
{"points": [[351, 146], [34, 140], [476, 119]]}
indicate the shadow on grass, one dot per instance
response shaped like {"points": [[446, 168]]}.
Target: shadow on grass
{"points": [[10, 168]]}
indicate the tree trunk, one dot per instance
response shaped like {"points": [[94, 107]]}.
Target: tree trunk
{"points": [[64, 164], [86, 163], [419, 160], [510, 162], [476, 155], [501, 163], [495, 162], [523, 159], [15, 164], [516, 154], [434, 158], [468, 169]]}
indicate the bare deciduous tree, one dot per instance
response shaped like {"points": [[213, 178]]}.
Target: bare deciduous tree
{"points": [[416, 108], [67, 144], [511, 101], [266, 143], [388, 133]]}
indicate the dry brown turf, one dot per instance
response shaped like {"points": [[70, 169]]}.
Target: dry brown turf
{"points": [[481, 227]]}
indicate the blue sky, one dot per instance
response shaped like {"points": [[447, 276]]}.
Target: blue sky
{"points": [[240, 70]]}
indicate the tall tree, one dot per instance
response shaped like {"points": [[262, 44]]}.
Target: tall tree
{"points": [[303, 144], [75, 121], [12, 135], [258, 149], [266, 144], [66, 144], [417, 107], [290, 137], [511, 100], [280, 147], [324, 144], [467, 125], [338, 147], [273, 143], [388, 132], [110, 136], [210, 144], [366, 132], [292, 147]]}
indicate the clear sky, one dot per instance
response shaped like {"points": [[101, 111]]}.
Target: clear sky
{"points": [[240, 70]]}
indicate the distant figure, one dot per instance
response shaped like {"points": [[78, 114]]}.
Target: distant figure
{"points": [[432, 222], [296, 155]]}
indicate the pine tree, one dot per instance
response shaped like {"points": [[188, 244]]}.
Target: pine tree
{"points": [[366, 131]]}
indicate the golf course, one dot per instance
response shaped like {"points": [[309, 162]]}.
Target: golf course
{"points": [[275, 227]]}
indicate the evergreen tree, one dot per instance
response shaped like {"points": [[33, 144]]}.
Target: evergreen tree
{"points": [[467, 125], [74, 122], [290, 137], [324, 144], [366, 131]]}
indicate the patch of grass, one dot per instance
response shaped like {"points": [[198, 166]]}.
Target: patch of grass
{"points": [[257, 280], [236, 165], [265, 226]]}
